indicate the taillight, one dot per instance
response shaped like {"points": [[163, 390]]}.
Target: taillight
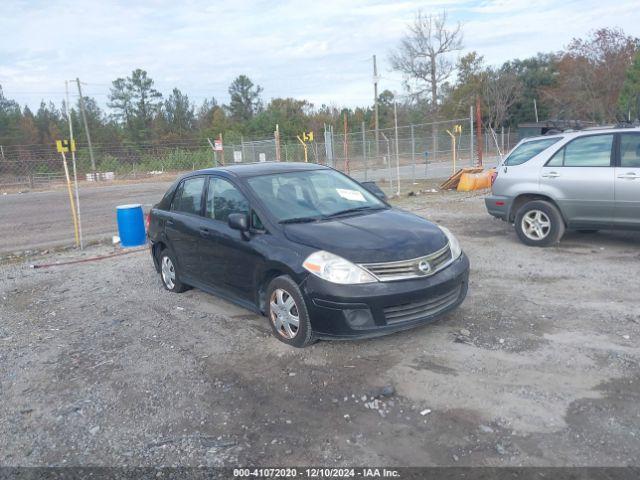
{"points": [[148, 220], [494, 175]]}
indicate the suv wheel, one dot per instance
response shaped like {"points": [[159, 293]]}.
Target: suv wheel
{"points": [[539, 224], [287, 312], [169, 273]]}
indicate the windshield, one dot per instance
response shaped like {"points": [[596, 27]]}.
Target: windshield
{"points": [[312, 195], [526, 151]]}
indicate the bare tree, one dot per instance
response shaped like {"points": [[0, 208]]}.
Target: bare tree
{"points": [[423, 54], [500, 90]]}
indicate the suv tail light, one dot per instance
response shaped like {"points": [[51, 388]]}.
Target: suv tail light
{"points": [[148, 221], [494, 175]]}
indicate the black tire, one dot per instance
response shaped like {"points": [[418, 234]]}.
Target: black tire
{"points": [[587, 231], [278, 319], [175, 286], [540, 213]]}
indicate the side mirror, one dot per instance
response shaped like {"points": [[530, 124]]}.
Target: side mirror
{"points": [[372, 187], [239, 221]]}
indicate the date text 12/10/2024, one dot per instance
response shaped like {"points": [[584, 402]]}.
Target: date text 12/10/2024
{"points": [[315, 473]]}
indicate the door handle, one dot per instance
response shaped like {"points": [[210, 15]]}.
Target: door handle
{"points": [[169, 222], [551, 175], [630, 175], [204, 232]]}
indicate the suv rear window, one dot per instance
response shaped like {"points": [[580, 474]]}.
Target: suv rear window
{"points": [[526, 151]]}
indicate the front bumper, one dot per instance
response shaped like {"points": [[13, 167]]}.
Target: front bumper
{"points": [[498, 206], [374, 309]]}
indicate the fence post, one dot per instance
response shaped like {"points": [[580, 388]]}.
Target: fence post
{"points": [[389, 162], [471, 136], [413, 155], [364, 152], [333, 151], [395, 123], [486, 142]]}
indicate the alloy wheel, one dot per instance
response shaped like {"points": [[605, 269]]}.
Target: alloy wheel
{"points": [[168, 272], [284, 313], [536, 225]]}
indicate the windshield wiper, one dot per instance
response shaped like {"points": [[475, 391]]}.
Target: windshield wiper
{"points": [[300, 220], [354, 210]]}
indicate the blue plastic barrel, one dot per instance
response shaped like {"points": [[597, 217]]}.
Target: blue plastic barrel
{"points": [[131, 225]]}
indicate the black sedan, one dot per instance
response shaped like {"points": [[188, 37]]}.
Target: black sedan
{"points": [[307, 246]]}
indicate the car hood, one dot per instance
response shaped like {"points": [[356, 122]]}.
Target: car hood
{"points": [[382, 236]]}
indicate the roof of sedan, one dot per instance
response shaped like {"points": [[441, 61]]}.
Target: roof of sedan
{"points": [[263, 168]]}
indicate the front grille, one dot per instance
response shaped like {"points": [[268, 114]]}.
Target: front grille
{"points": [[407, 312], [404, 269]]}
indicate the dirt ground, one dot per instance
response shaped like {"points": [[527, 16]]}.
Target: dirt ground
{"points": [[540, 366]]}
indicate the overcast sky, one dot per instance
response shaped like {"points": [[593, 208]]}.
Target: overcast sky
{"points": [[318, 50]]}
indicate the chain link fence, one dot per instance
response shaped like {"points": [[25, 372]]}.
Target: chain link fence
{"points": [[408, 153]]}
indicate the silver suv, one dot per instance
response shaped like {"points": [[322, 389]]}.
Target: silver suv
{"points": [[585, 180]]}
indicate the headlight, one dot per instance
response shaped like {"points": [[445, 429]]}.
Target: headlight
{"points": [[456, 251], [335, 269]]}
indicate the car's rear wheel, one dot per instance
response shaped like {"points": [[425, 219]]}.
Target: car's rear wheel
{"points": [[539, 224], [169, 272], [287, 312]]}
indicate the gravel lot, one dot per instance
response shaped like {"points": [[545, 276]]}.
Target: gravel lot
{"points": [[540, 366]]}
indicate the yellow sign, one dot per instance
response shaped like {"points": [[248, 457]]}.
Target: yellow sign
{"points": [[65, 146], [457, 129], [307, 136]]}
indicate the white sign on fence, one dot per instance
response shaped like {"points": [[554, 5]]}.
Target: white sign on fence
{"points": [[237, 156], [262, 157]]}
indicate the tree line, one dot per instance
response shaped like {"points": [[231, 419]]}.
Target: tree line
{"points": [[596, 78]]}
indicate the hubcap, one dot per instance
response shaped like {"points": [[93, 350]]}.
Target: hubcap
{"points": [[284, 314], [536, 225], [168, 273]]}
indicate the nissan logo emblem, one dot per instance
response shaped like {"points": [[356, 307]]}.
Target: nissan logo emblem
{"points": [[424, 266]]}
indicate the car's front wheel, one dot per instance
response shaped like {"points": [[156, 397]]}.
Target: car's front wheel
{"points": [[287, 312], [539, 223], [169, 272]]}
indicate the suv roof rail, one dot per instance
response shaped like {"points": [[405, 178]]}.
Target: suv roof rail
{"points": [[628, 124]]}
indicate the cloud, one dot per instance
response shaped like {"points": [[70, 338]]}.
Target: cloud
{"points": [[315, 50]]}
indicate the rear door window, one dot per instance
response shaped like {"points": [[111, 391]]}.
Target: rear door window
{"points": [[526, 151], [590, 151], [188, 197], [630, 150]]}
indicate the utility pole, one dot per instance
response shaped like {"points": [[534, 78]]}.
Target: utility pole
{"points": [[73, 157], [86, 127], [535, 109], [375, 107]]}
